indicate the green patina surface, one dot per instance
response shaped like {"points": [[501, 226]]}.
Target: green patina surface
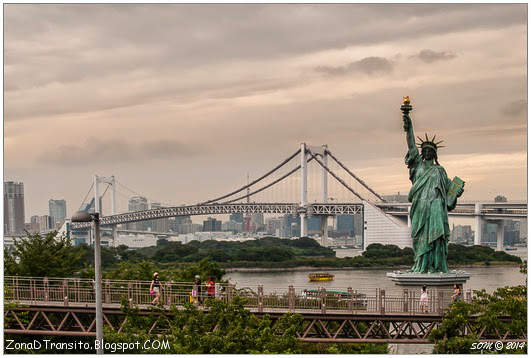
{"points": [[429, 196]]}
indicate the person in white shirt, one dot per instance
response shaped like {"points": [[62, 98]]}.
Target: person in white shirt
{"points": [[424, 300]]}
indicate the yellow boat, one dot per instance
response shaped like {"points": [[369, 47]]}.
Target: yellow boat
{"points": [[320, 276]]}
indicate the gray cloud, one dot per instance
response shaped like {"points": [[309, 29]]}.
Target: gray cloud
{"points": [[96, 150], [368, 65], [515, 109], [429, 56], [95, 40]]}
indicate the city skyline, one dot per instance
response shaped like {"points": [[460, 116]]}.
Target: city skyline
{"points": [[181, 101]]}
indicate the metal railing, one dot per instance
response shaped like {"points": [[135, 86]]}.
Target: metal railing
{"points": [[76, 291]]}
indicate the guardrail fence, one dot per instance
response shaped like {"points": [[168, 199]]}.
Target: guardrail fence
{"points": [[76, 291]]}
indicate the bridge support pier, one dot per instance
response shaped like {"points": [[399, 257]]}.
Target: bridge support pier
{"points": [[478, 232], [499, 235]]}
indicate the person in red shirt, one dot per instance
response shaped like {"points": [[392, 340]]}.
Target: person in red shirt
{"points": [[211, 287]]}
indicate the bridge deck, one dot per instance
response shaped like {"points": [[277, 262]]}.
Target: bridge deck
{"points": [[146, 309]]}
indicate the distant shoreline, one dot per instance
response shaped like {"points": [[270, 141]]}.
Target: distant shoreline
{"points": [[319, 269]]}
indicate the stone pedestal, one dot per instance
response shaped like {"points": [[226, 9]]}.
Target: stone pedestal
{"points": [[440, 286], [407, 278]]}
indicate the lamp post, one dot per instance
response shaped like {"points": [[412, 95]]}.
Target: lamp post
{"points": [[84, 217]]}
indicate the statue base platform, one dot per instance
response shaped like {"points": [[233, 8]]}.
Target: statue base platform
{"points": [[408, 278], [439, 285]]}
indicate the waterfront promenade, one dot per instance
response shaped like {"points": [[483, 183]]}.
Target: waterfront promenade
{"points": [[65, 307]]}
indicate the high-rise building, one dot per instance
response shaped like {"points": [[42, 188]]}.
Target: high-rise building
{"points": [[345, 224], [462, 234], [232, 226], [290, 225], [57, 210], [159, 225], [523, 230], [13, 208], [137, 203], [314, 224], [236, 217], [274, 226], [46, 223], [257, 222], [211, 224], [34, 224], [489, 234]]}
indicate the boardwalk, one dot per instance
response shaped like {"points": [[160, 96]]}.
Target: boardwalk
{"points": [[76, 292], [65, 307]]}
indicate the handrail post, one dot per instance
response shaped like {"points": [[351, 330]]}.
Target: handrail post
{"points": [[351, 299], [17, 291], [405, 298], [382, 301], [67, 289], [291, 298], [129, 291], [323, 300], [137, 292], [168, 293], [65, 293], [441, 303], [107, 291], [260, 298], [46, 293]]}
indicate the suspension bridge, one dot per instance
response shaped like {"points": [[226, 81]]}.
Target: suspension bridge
{"points": [[347, 194]]}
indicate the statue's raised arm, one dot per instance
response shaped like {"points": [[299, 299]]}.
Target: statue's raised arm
{"points": [[408, 126]]}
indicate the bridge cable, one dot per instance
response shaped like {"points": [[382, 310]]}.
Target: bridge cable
{"points": [[88, 192], [354, 176], [108, 185], [335, 176], [268, 185], [255, 181]]}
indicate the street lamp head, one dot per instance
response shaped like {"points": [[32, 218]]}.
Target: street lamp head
{"points": [[82, 217]]}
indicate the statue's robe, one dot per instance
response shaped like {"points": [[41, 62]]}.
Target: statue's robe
{"points": [[429, 214]]}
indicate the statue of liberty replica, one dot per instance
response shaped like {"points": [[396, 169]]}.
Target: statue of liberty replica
{"points": [[432, 196]]}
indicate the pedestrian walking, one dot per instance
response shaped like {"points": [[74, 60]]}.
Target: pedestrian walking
{"points": [[197, 286], [154, 288], [424, 300], [211, 288]]}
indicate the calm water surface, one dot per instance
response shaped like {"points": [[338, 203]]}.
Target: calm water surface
{"points": [[367, 280]]}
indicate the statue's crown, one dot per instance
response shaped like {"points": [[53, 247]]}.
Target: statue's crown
{"points": [[430, 143]]}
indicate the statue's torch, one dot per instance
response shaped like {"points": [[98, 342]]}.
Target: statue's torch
{"points": [[406, 107]]}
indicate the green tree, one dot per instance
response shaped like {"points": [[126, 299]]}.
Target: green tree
{"points": [[484, 311], [43, 256], [132, 271], [227, 328]]}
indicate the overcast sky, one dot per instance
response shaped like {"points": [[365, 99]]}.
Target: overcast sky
{"points": [[180, 101]]}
